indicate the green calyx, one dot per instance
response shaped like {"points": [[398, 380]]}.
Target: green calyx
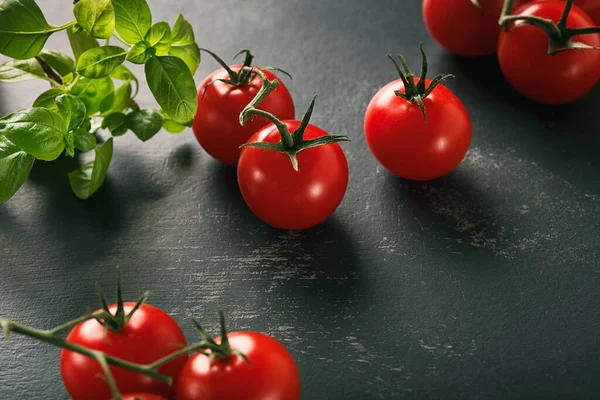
{"points": [[244, 76], [117, 321], [560, 37], [222, 351], [416, 93], [291, 143]]}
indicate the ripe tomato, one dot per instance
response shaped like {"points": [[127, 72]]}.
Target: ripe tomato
{"points": [[591, 8], [289, 199], [149, 335], [216, 124], [142, 396], [462, 28], [552, 79], [271, 373], [410, 146]]}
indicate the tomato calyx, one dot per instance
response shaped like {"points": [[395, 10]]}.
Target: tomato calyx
{"points": [[222, 351], [416, 93], [244, 76], [291, 143], [560, 37]]}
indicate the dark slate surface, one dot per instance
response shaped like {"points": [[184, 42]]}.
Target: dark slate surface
{"points": [[483, 284]]}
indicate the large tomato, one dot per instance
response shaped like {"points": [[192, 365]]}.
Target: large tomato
{"points": [[270, 375], [409, 145], [289, 199], [462, 28], [217, 125], [553, 79], [149, 335]]}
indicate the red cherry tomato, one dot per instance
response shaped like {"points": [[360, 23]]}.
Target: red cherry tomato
{"points": [[410, 146], [149, 335], [217, 125], [289, 199], [462, 28], [557, 79], [141, 396], [271, 374], [591, 8]]}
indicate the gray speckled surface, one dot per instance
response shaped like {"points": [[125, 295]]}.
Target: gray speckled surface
{"points": [[483, 284]]}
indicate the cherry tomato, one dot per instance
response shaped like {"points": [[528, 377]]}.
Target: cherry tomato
{"points": [[217, 126], [462, 28], [410, 146], [141, 396], [289, 199], [591, 8], [271, 373], [149, 335], [552, 79]]}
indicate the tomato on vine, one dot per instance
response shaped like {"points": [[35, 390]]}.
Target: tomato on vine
{"points": [[134, 332], [549, 51], [239, 366], [292, 174], [590, 7], [464, 27], [416, 127], [223, 95]]}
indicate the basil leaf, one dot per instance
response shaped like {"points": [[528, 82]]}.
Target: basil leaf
{"points": [[23, 29], [69, 140], [183, 44], [159, 37], [96, 16], [15, 166], [133, 19], [140, 53], [60, 62], [144, 123], [21, 70], [99, 62], [122, 98], [173, 87], [115, 123], [38, 131], [71, 109], [93, 92], [88, 179], [81, 42], [83, 140], [48, 99], [172, 127], [122, 73]]}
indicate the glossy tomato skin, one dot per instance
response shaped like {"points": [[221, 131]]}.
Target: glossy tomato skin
{"points": [[150, 335], [289, 199], [462, 28], [407, 145], [271, 374], [526, 64], [141, 396], [217, 125]]}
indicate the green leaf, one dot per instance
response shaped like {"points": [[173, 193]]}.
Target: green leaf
{"points": [[69, 140], [93, 92], [133, 19], [60, 62], [159, 37], [23, 29], [144, 123], [81, 42], [71, 109], [121, 99], [183, 44], [173, 87], [48, 99], [21, 70], [83, 140], [88, 179], [38, 131], [115, 123], [15, 166], [122, 73], [96, 16], [101, 61], [140, 53], [173, 127]]}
